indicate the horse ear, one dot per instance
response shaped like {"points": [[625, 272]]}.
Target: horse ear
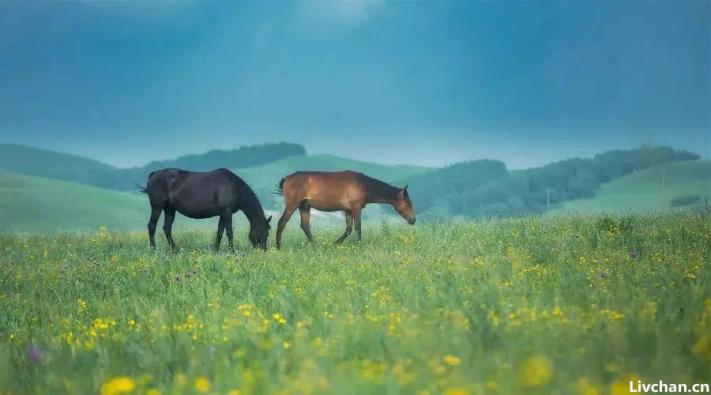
{"points": [[269, 219], [405, 189]]}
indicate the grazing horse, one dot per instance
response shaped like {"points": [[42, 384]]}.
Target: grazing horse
{"points": [[204, 195], [346, 191]]}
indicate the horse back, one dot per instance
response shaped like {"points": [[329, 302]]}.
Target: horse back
{"points": [[324, 189], [196, 194]]}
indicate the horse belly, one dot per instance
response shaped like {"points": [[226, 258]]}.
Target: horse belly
{"points": [[321, 204], [195, 203]]}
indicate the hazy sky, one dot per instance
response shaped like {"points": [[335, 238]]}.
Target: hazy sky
{"points": [[394, 82]]}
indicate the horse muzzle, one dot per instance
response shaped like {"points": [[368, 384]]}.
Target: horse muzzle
{"points": [[412, 221]]}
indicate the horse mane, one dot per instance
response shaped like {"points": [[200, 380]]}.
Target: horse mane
{"points": [[252, 206], [376, 189]]}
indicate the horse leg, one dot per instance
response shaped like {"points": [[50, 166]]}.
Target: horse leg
{"points": [[356, 220], [349, 227], [220, 230], [305, 211], [168, 225], [155, 214], [228, 230], [288, 211]]}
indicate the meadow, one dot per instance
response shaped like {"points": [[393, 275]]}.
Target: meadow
{"points": [[572, 304]]}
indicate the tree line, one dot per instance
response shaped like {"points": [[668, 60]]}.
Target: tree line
{"points": [[485, 188]]}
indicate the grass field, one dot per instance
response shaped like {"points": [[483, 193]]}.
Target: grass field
{"points": [[649, 189], [578, 304]]}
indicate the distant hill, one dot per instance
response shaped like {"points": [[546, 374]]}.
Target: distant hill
{"points": [[242, 157], [264, 179], [45, 163], [482, 189], [615, 181], [29, 203], [32, 161], [665, 186]]}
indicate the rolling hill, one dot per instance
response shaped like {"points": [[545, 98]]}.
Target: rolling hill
{"points": [[29, 204], [649, 189], [39, 162]]}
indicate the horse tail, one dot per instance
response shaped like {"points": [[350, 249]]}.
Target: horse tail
{"points": [[280, 188], [141, 188]]}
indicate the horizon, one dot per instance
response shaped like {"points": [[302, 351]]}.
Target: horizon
{"points": [[429, 83], [701, 157]]}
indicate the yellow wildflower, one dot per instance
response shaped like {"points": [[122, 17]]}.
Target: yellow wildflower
{"points": [[279, 318], [202, 384], [234, 392], [456, 391], [537, 372], [621, 386], [451, 360], [153, 391], [118, 385], [702, 347]]}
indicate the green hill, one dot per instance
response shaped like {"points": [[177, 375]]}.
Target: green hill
{"points": [[264, 179], [50, 164], [29, 203], [45, 163], [649, 189]]}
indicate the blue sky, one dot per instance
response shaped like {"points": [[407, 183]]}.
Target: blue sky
{"points": [[394, 82]]}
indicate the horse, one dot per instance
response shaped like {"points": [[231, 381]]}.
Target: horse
{"points": [[346, 191], [204, 195]]}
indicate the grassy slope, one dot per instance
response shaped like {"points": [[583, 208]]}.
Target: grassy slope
{"points": [[30, 203], [35, 161], [644, 190], [540, 306]]}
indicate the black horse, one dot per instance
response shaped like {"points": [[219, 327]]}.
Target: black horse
{"points": [[204, 195]]}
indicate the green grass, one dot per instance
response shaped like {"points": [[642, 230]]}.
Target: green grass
{"points": [[650, 189], [30, 204], [530, 305]]}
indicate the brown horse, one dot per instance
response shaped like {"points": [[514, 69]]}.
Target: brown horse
{"points": [[346, 191]]}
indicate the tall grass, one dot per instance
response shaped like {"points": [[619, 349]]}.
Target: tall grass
{"points": [[559, 305]]}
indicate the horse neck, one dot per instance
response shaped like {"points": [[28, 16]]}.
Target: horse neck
{"points": [[377, 191], [253, 210]]}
